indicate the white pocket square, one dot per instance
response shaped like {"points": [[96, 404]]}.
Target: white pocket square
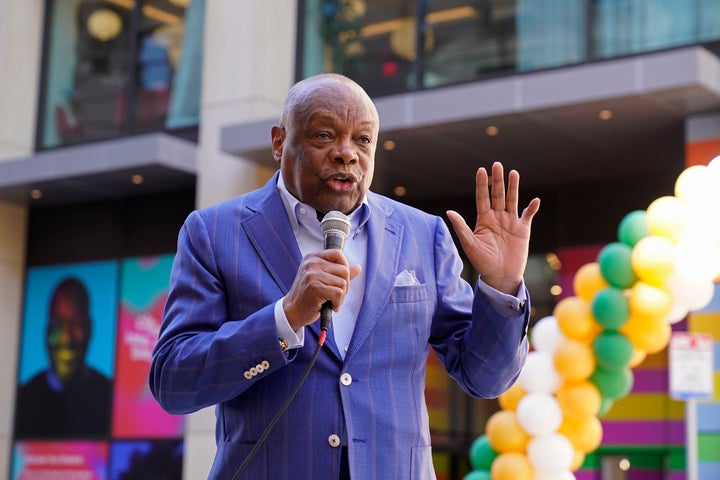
{"points": [[406, 278]]}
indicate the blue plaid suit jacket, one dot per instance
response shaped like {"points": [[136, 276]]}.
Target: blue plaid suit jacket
{"points": [[218, 343]]}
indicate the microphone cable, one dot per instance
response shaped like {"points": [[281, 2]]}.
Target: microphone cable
{"points": [[283, 408]]}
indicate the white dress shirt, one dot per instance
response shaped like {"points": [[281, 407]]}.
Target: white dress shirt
{"points": [[306, 228]]}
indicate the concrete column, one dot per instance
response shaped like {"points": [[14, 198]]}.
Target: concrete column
{"points": [[20, 50], [248, 66]]}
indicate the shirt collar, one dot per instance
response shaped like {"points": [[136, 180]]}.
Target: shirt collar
{"points": [[301, 214]]}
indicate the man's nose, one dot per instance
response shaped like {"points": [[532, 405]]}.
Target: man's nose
{"points": [[345, 152]]}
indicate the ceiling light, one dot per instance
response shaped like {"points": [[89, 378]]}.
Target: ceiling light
{"points": [[492, 130], [137, 179], [553, 261], [556, 290], [104, 24], [400, 191], [389, 145], [605, 114], [36, 193]]}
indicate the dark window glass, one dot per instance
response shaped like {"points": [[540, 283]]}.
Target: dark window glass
{"points": [[375, 42], [114, 67]]}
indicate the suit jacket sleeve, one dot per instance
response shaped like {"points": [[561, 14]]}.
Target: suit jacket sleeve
{"points": [[196, 361], [483, 353]]}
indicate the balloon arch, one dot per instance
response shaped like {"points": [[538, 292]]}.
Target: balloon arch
{"points": [[662, 267]]}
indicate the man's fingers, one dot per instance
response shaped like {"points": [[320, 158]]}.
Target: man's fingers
{"points": [[482, 192], [498, 187]]}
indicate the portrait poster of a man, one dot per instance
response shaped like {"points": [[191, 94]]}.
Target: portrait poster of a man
{"points": [[67, 352]]}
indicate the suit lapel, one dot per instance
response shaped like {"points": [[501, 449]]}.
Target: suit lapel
{"points": [[384, 239], [270, 232]]}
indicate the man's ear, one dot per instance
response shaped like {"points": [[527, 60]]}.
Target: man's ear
{"points": [[278, 137]]}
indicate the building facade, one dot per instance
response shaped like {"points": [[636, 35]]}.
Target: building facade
{"points": [[118, 117]]}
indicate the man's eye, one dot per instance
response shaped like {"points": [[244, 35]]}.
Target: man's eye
{"points": [[365, 140], [324, 135]]}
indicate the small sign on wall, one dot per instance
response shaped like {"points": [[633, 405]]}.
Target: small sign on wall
{"points": [[691, 366]]}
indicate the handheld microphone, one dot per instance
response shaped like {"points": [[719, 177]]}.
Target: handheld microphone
{"points": [[335, 227]]}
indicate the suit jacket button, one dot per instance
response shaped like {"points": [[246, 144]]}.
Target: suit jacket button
{"points": [[334, 440], [247, 374], [346, 379]]}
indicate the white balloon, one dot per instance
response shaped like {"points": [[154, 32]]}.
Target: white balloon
{"points": [[546, 334], [714, 163], [692, 183], [697, 258], [689, 295], [539, 414], [539, 374], [550, 453]]}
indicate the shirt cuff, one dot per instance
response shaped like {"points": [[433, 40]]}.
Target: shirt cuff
{"points": [[294, 339], [504, 304]]}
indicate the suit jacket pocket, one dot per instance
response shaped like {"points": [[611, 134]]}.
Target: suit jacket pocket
{"points": [[410, 293]]}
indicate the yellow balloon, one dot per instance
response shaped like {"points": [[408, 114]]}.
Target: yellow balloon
{"points": [[648, 334], [579, 399], [574, 360], [577, 460], [653, 259], [585, 434], [665, 217], [511, 466], [504, 432], [575, 319], [638, 356], [511, 397], [648, 301], [588, 280]]}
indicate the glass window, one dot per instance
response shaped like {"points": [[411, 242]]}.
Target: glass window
{"points": [[625, 27], [114, 67], [371, 41], [467, 39]]}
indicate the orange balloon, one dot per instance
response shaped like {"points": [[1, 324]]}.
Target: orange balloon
{"points": [[588, 280], [579, 399], [574, 360], [504, 432], [511, 397], [575, 319], [511, 466], [585, 434], [649, 301]]}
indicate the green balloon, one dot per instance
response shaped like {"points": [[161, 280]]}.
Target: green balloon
{"points": [[613, 350], [633, 228], [615, 265], [478, 475], [605, 405], [612, 385], [481, 453], [610, 308]]}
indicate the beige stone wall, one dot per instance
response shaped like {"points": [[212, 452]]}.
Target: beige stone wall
{"points": [[20, 45]]}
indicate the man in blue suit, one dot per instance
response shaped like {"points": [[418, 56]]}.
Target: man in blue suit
{"points": [[250, 277]]}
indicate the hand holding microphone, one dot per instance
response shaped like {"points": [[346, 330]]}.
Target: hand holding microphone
{"points": [[323, 278]]}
